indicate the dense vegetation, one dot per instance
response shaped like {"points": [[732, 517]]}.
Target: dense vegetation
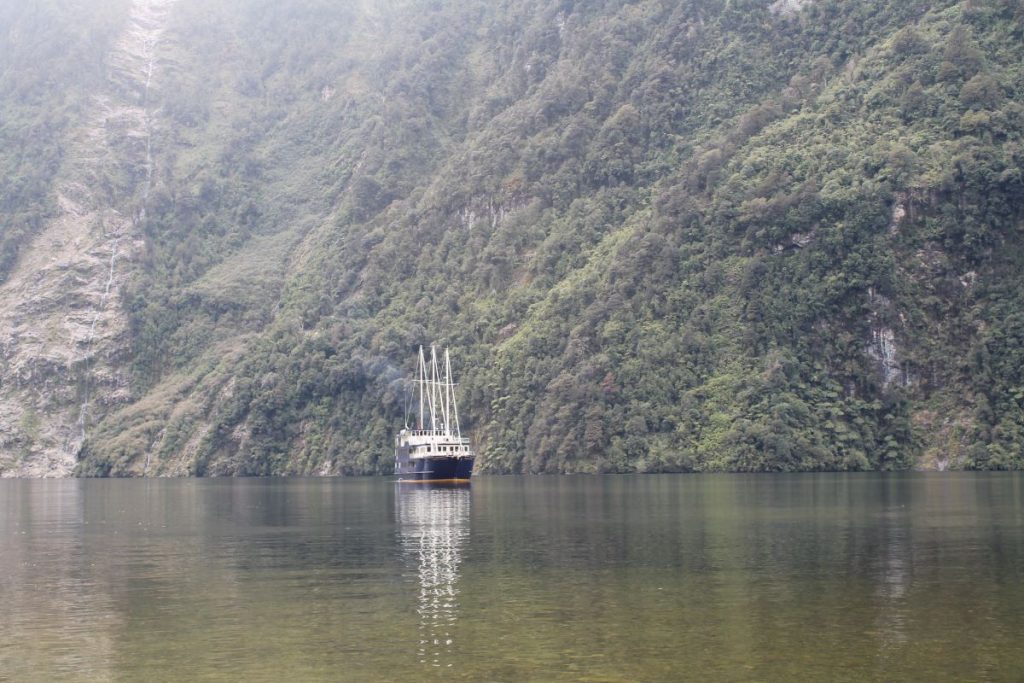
{"points": [[658, 236]]}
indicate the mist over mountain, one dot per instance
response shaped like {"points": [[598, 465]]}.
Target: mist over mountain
{"points": [[698, 235]]}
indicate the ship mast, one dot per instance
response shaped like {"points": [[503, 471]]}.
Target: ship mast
{"points": [[435, 398], [422, 381], [437, 394], [450, 388]]}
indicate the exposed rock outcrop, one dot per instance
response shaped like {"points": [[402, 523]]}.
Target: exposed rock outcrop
{"points": [[788, 7], [62, 332]]}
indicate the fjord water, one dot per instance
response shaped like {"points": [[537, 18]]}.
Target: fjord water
{"points": [[645, 578]]}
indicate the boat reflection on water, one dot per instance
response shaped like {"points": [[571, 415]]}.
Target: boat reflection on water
{"points": [[433, 523]]}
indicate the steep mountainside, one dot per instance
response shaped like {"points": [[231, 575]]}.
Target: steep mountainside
{"points": [[658, 236]]}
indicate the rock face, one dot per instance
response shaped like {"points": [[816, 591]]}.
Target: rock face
{"points": [[63, 335], [788, 7]]}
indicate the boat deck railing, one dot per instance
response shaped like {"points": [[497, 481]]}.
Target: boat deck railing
{"points": [[437, 432]]}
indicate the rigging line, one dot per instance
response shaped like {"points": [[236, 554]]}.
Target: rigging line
{"points": [[407, 396]]}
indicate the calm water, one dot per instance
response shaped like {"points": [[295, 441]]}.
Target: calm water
{"points": [[651, 578]]}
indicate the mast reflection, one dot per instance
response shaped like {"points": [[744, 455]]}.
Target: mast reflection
{"points": [[433, 524]]}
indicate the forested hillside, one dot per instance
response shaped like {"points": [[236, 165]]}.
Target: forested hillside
{"points": [[693, 235]]}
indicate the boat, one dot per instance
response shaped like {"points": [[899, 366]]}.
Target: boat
{"points": [[435, 451]]}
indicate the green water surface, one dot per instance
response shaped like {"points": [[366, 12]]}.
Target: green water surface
{"points": [[649, 578]]}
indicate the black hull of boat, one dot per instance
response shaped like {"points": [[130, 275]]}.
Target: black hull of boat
{"points": [[438, 470]]}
